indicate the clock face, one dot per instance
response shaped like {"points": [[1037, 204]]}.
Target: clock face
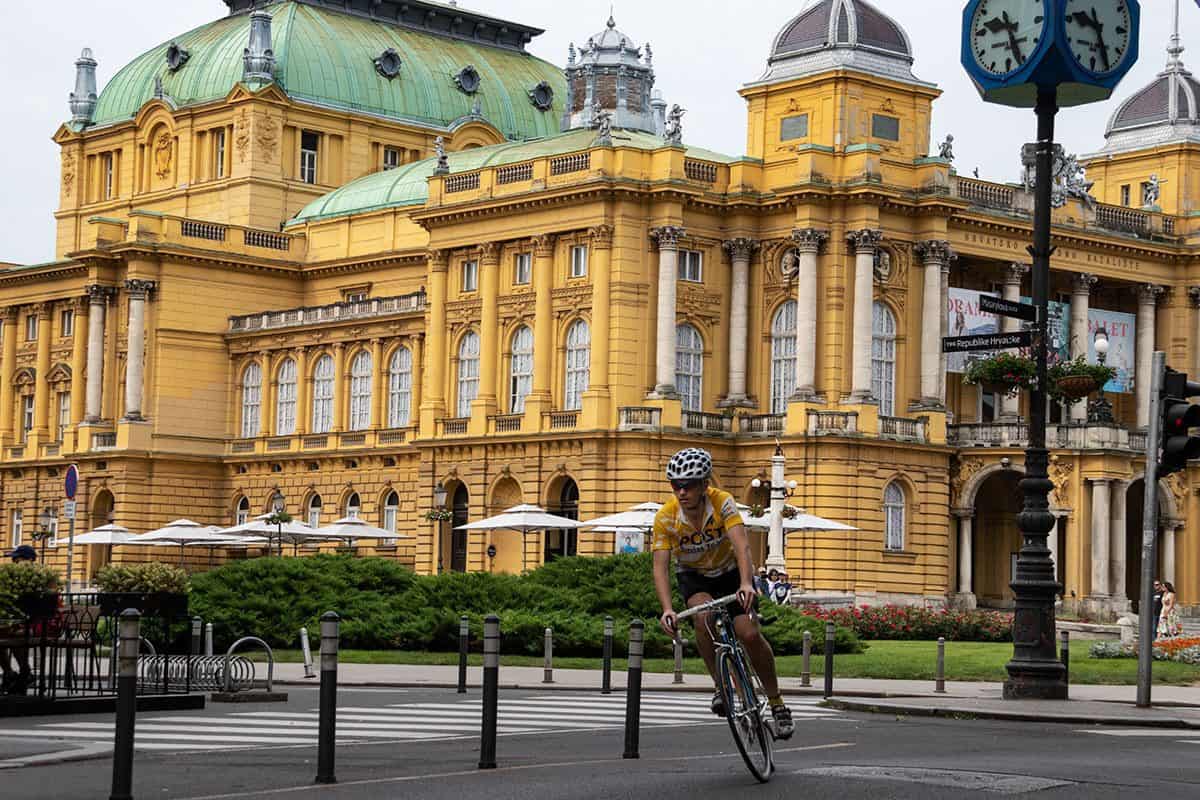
{"points": [[1098, 33], [1006, 33]]}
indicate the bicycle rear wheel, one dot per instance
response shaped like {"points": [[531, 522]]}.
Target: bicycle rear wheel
{"points": [[742, 711]]}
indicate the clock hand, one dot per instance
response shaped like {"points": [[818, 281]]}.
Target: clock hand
{"points": [[1100, 39], [1012, 39], [995, 25], [1081, 18]]}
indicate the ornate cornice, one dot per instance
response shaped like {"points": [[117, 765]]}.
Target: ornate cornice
{"points": [[667, 237], [810, 240]]}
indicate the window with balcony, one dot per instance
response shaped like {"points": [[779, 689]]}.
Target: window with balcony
{"points": [[400, 388], [691, 266], [883, 358], [894, 516], [285, 406], [310, 144], [251, 401], [578, 372], [783, 357], [360, 391], [523, 269], [322, 402], [468, 373], [520, 378], [689, 367]]}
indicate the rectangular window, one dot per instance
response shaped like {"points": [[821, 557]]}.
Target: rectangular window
{"points": [[579, 261], [26, 416], [523, 269], [691, 266], [219, 153], [885, 127], [793, 127], [31, 326], [391, 158], [470, 276], [67, 323], [106, 167], [1126, 195], [356, 297], [16, 529], [64, 413], [389, 518], [309, 143]]}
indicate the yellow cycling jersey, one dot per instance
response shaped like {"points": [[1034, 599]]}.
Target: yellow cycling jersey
{"points": [[709, 552]]}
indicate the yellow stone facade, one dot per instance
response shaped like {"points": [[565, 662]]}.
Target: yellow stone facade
{"points": [[231, 278]]}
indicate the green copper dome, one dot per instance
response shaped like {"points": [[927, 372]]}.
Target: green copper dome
{"points": [[327, 57]]}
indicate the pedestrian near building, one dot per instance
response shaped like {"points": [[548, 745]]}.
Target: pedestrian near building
{"points": [[1168, 622], [15, 681], [1158, 604]]}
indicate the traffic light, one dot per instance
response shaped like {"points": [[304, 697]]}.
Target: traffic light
{"points": [[1178, 418]]}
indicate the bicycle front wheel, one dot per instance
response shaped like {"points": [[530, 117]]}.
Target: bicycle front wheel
{"points": [[742, 711]]}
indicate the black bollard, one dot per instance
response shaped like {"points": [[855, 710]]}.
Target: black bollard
{"points": [[606, 679], [327, 717], [548, 663], [678, 660], [1066, 657], [806, 660], [464, 641], [129, 639], [491, 691], [829, 659], [633, 689]]}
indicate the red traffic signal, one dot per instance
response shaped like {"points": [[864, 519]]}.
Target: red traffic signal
{"points": [[1178, 419]]}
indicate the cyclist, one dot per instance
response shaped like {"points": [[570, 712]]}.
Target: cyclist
{"points": [[701, 526]]}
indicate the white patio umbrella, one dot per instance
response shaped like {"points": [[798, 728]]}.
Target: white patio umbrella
{"points": [[259, 528], [351, 529], [522, 519], [640, 516], [800, 520], [181, 532], [105, 534]]}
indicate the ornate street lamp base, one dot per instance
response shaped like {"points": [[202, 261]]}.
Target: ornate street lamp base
{"points": [[1035, 680]]}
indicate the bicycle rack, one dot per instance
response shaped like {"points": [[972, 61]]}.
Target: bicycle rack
{"points": [[229, 661]]}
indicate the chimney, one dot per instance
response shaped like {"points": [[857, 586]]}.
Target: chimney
{"points": [[659, 106], [83, 99], [259, 59]]}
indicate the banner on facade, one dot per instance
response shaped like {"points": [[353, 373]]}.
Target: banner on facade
{"points": [[1122, 350], [1058, 331], [966, 318], [629, 541]]}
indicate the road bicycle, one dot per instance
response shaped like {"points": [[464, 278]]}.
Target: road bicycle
{"points": [[746, 706]]}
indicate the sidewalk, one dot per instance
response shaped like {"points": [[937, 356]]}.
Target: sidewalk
{"points": [[1175, 706]]}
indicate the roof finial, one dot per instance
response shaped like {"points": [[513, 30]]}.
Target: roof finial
{"points": [[612, 22], [1175, 48], [83, 99]]}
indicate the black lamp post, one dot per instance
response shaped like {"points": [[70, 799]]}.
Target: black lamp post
{"points": [[1100, 410], [45, 523], [439, 504], [278, 504]]}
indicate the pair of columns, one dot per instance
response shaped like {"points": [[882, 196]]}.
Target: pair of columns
{"points": [[1109, 540], [966, 550], [135, 363]]}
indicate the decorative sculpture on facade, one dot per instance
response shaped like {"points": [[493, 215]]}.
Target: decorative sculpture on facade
{"points": [[1151, 191], [602, 120], [443, 162], [163, 144], [946, 148], [1068, 177], [673, 131]]}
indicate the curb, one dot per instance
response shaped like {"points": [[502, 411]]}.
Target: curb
{"points": [[563, 687], [961, 712]]}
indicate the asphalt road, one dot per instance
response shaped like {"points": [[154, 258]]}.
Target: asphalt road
{"points": [[424, 744]]}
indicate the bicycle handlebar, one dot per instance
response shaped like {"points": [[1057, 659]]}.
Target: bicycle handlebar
{"points": [[710, 605]]}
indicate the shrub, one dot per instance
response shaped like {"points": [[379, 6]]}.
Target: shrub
{"points": [[1110, 650], [147, 578], [918, 624], [23, 580]]}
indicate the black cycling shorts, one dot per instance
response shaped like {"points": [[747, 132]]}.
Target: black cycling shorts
{"points": [[693, 583]]}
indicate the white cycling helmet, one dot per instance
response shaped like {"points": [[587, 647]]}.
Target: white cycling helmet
{"points": [[689, 465]]}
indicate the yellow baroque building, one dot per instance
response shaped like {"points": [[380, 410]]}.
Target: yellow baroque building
{"points": [[352, 250]]}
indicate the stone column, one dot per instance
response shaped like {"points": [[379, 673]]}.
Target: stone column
{"points": [[79, 354], [136, 353], [740, 251], [418, 368], [1168, 549], [41, 387], [98, 297], [1081, 290], [1101, 537], [966, 552], [543, 317], [601, 327], [667, 238], [936, 257], [434, 405], [809, 242], [339, 387], [1118, 544], [489, 326], [8, 367], [303, 396], [378, 386], [1147, 314], [1010, 405], [1052, 544], [268, 396], [864, 243]]}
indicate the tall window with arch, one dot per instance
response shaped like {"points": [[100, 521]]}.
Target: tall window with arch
{"points": [[520, 377], [322, 389], [312, 512], [689, 367], [468, 372], [251, 400], [579, 356], [242, 516], [360, 391], [353, 506], [783, 357], [883, 358], [391, 512], [894, 516], [400, 388], [285, 406]]}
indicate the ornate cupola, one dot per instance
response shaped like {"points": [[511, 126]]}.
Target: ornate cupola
{"points": [[259, 58], [611, 72]]}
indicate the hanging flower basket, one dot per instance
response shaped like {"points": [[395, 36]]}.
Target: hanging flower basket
{"points": [[1077, 387], [1071, 381], [1002, 373]]}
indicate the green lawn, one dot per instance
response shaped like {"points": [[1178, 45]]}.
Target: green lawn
{"points": [[965, 661]]}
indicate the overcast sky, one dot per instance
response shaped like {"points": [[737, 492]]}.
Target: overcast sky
{"points": [[704, 50]]}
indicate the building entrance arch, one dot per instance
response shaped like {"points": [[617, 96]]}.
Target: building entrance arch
{"points": [[997, 540], [1169, 521]]}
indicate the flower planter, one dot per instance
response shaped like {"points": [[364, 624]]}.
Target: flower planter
{"points": [[1077, 387], [996, 387]]}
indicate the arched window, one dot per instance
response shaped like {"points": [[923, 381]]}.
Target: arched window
{"points": [[360, 391], [322, 402], [285, 406], [893, 509], [883, 358], [400, 388], [313, 512], [783, 357], [579, 355], [689, 367], [520, 377], [251, 400], [353, 506], [243, 512], [391, 512], [468, 372]]}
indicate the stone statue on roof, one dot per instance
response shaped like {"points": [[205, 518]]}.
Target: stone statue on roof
{"points": [[946, 148], [1151, 191], [673, 132], [602, 119], [443, 163]]}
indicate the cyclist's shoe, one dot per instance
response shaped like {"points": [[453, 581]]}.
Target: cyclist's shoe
{"points": [[718, 704], [781, 722]]}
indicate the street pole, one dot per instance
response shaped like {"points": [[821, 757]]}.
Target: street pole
{"points": [[1146, 620], [71, 552], [775, 557], [327, 709], [1035, 671], [128, 640]]}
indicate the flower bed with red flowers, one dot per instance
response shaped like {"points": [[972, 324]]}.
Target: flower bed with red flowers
{"points": [[911, 623], [1185, 650]]}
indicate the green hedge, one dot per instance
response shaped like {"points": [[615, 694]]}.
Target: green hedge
{"points": [[385, 606]]}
